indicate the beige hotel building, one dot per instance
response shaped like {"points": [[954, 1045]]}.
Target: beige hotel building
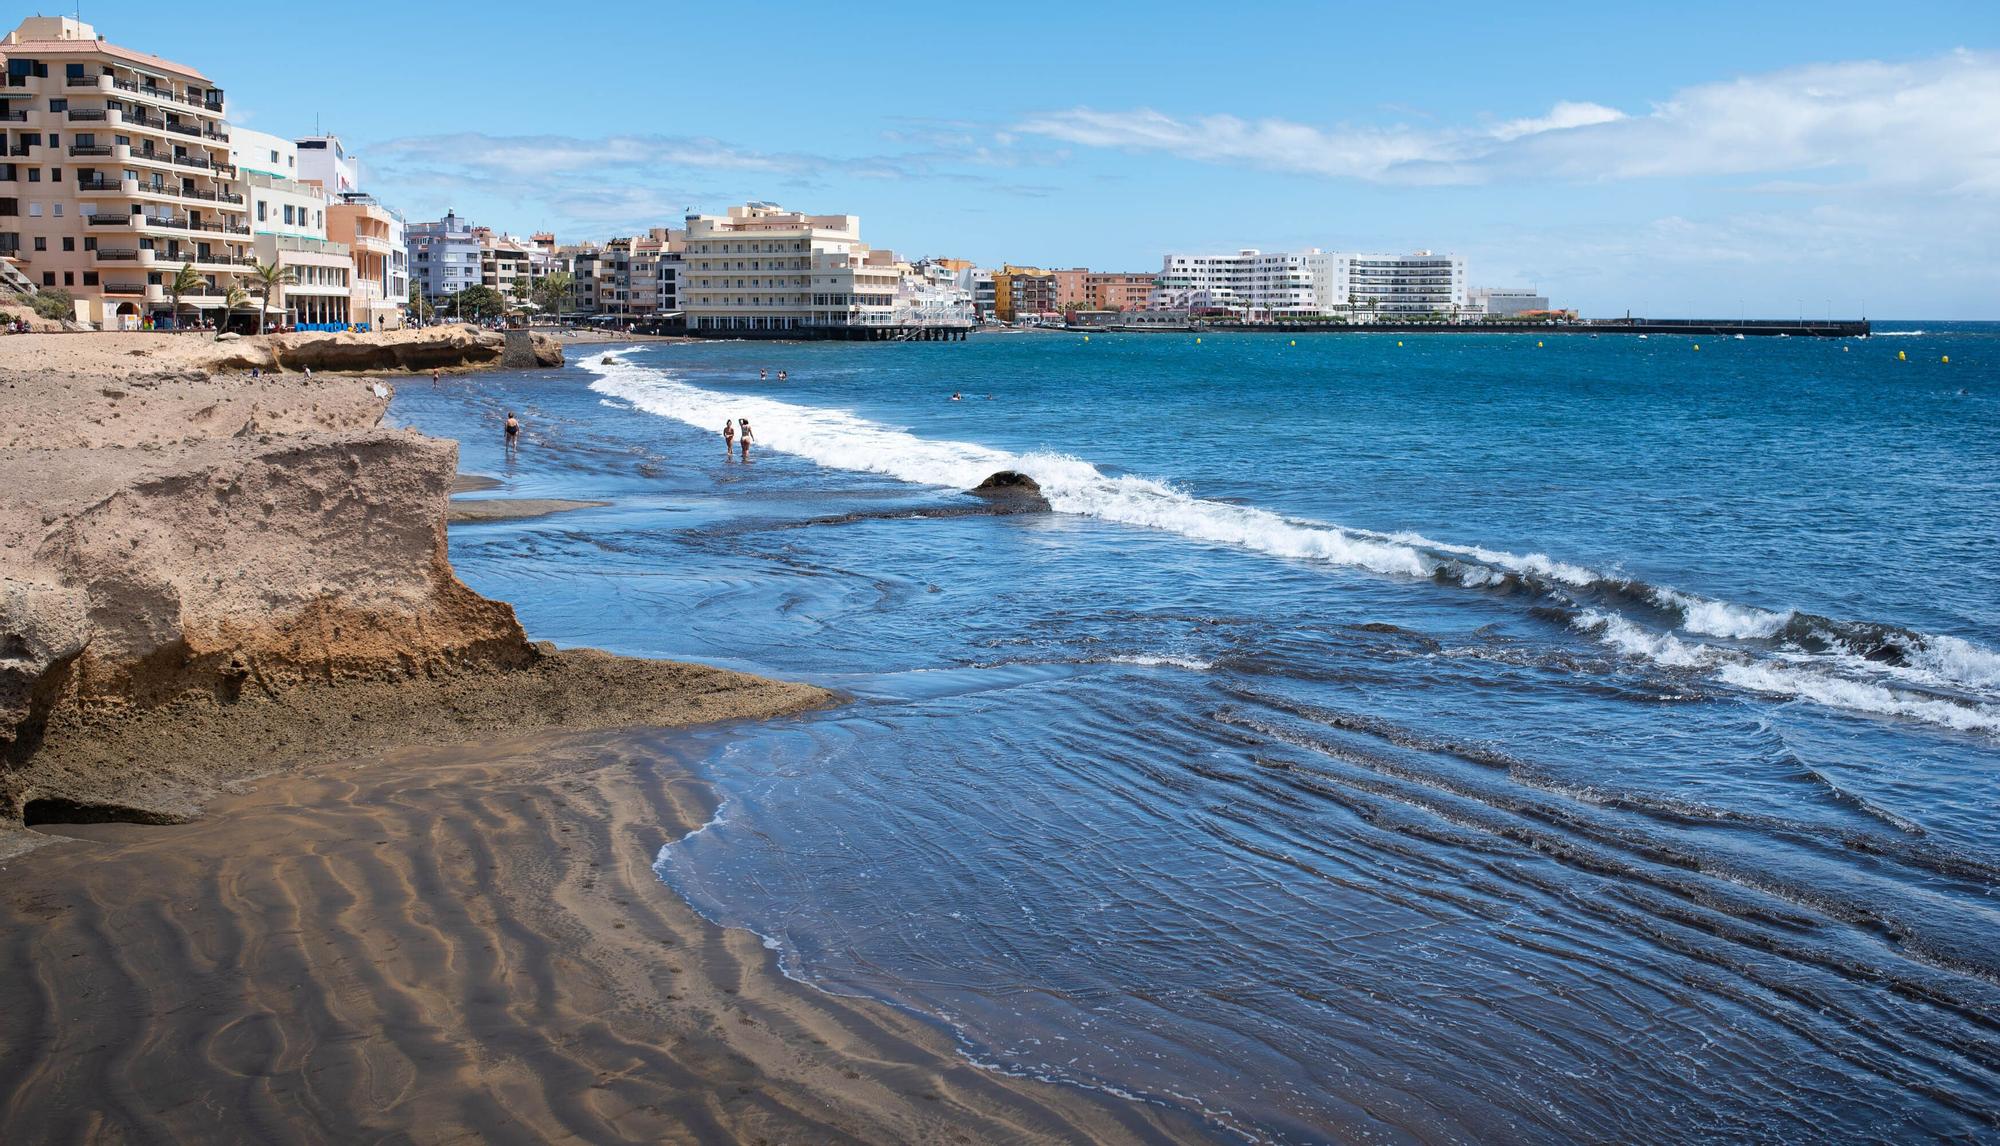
{"points": [[761, 267], [116, 173]]}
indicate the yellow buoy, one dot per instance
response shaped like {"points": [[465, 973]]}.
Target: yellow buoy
{"points": [[1843, 350], [1197, 342], [1697, 346], [1538, 344], [1946, 360], [1295, 342], [1902, 356], [1399, 342], [1086, 338]]}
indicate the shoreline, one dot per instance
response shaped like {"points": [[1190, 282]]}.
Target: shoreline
{"points": [[267, 872]]}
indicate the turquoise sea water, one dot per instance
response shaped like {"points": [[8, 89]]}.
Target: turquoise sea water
{"points": [[1457, 739]]}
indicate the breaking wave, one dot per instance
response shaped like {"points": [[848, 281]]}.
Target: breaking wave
{"points": [[1852, 665]]}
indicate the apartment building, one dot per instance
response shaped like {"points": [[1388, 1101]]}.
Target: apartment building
{"points": [[1261, 286], [117, 172], [1021, 293], [929, 294], [444, 256], [1120, 291], [761, 267], [288, 226], [503, 262], [1419, 283], [375, 239]]}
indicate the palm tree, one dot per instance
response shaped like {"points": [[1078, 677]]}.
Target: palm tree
{"points": [[234, 301], [553, 290], [270, 276], [187, 280]]}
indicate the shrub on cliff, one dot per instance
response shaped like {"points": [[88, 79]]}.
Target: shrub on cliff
{"points": [[53, 302]]}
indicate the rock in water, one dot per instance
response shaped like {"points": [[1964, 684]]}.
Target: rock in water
{"points": [[1010, 491]]}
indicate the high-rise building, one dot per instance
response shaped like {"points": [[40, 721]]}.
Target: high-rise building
{"points": [[116, 174], [1420, 283]]}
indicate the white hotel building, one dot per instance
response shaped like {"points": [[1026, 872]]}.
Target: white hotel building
{"points": [[1262, 286]]}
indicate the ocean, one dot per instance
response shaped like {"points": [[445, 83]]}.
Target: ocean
{"points": [[1402, 738]]}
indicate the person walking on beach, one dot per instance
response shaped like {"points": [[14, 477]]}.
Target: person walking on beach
{"points": [[743, 425], [513, 431], [728, 437]]}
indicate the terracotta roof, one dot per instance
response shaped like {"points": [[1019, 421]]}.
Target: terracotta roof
{"points": [[96, 48]]}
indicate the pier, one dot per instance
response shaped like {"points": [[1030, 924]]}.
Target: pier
{"points": [[842, 334], [1708, 327]]}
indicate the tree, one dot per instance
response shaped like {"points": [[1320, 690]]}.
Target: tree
{"points": [[553, 291], [187, 280], [480, 302], [235, 300], [421, 309], [270, 276]]}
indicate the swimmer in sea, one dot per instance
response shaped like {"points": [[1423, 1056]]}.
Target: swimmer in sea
{"points": [[955, 396], [763, 375], [782, 375]]}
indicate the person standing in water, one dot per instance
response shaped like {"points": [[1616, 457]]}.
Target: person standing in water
{"points": [[513, 427], [728, 437], [743, 426]]}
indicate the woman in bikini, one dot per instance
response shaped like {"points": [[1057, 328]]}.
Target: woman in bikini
{"points": [[728, 437], [743, 435]]}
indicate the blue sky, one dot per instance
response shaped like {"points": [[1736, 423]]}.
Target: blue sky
{"points": [[1690, 159]]}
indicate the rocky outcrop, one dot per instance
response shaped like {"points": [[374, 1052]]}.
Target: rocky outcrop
{"points": [[131, 579], [436, 348], [1010, 491]]}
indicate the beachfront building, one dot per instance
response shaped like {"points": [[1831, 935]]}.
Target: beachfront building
{"points": [[1503, 302], [1265, 286], [977, 282], [379, 291], [930, 295], [443, 256], [1252, 285], [761, 267], [288, 228], [1023, 294], [116, 174], [503, 263], [1404, 286], [1120, 291]]}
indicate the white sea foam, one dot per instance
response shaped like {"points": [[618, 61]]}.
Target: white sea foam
{"points": [[1859, 696], [1635, 641], [1720, 618], [1147, 660], [842, 440]]}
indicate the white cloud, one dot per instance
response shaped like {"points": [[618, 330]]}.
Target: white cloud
{"points": [[1931, 124]]}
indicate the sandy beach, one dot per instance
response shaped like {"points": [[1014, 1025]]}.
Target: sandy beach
{"points": [[453, 946], [300, 839]]}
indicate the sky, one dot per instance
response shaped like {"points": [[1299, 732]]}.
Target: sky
{"points": [[1691, 159]]}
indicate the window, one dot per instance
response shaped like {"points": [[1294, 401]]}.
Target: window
{"points": [[34, 175], [69, 278], [90, 278], [48, 278], [69, 243], [58, 105], [41, 243], [260, 210]]}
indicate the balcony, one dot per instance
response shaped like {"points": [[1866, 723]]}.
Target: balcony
{"points": [[99, 186], [110, 220], [125, 288], [13, 117], [80, 81], [90, 149], [118, 255], [87, 114]]}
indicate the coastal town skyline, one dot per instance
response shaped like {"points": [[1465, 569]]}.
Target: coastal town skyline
{"points": [[1786, 178]]}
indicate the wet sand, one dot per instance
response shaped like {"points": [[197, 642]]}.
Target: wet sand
{"points": [[511, 508], [453, 945]]}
